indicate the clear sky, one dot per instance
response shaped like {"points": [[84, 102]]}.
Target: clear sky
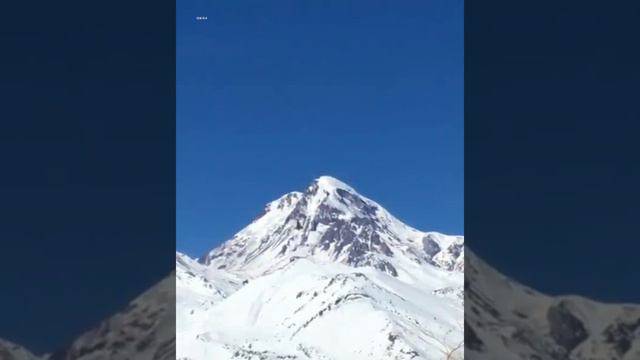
{"points": [[271, 95]]}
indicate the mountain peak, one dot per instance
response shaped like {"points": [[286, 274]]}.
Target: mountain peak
{"points": [[330, 183], [330, 221], [292, 271]]}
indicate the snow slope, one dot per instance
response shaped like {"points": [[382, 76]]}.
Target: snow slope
{"points": [[323, 274]]}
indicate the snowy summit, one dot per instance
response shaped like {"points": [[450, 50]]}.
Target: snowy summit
{"points": [[323, 274]]}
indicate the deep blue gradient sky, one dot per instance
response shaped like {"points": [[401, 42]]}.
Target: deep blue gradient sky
{"points": [[272, 95]]}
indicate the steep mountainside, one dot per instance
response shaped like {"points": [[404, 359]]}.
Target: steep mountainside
{"points": [[331, 222], [11, 351], [145, 330], [506, 320], [323, 274]]}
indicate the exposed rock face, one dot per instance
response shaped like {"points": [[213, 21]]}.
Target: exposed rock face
{"points": [[565, 328], [506, 320], [622, 335], [450, 258]]}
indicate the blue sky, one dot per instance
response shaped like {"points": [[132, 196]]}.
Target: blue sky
{"points": [[271, 95]]}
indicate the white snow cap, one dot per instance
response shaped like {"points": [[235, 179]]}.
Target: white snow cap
{"points": [[330, 183]]}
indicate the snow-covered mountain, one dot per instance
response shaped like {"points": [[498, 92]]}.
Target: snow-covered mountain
{"points": [[323, 274], [331, 222], [505, 320], [144, 330], [11, 351], [329, 274]]}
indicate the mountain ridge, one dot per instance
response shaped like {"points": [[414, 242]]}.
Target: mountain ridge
{"points": [[508, 320], [331, 218], [144, 329]]}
